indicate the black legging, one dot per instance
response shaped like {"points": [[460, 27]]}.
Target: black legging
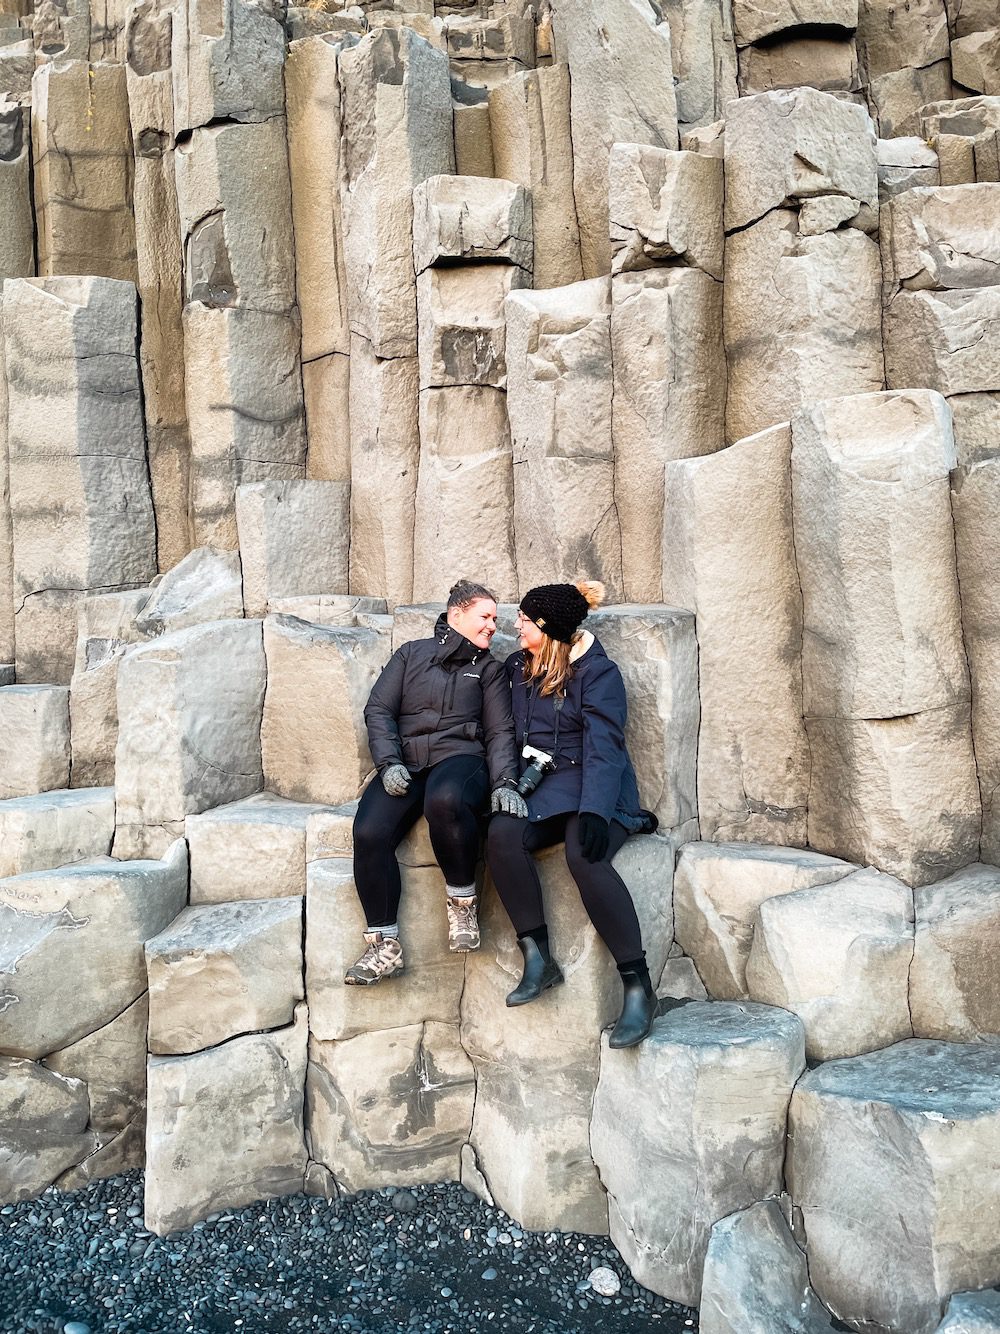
{"points": [[608, 903], [452, 794]]}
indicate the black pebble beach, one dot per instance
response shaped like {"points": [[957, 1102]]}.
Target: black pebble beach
{"points": [[432, 1259]]}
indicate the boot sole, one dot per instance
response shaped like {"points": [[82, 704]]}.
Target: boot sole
{"points": [[372, 981], [556, 982]]}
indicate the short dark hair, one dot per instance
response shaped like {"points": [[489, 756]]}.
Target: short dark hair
{"points": [[465, 592]]}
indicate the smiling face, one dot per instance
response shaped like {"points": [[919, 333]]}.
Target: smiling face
{"points": [[530, 635], [477, 622]]}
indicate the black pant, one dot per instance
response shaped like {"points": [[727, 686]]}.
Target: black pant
{"points": [[452, 794], [607, 900]]}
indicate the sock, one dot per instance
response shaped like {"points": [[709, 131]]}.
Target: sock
{"points": [[460, 891], [388, 932]]}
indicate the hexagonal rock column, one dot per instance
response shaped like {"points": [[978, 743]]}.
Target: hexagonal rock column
{"points": [[227, 63], [537, 1065], [756, 1277], [77, 454], [839, 957], [189, 717], [955, 977], [106, 628], [718, 889], [910, 1131], [270, 833], [34, 721], [801, 187], [16, 217], [559, 392], [904, 59], [728, 554], [703, 57], [471, 246], [225, 1126], [885, 677], [55, 828], [700, 1109], [294, 538]]}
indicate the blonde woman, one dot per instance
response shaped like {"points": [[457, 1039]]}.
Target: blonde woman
{"points": [[569, 704]]}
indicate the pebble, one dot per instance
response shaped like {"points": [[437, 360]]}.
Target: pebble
{"points": [[605, 1281], [419, 1260]]}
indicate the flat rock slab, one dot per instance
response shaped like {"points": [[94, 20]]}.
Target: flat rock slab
{"points": [[911, 1131], [250, 849], [955, 977], [222, 969], [55, 828], [699, 1108]]}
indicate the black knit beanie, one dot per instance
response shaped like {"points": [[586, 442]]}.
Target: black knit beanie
{"points": [[557, 609]]}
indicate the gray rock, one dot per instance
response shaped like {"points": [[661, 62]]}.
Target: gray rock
{"points": [[205, 586], [55, 828], [43, 1127], [972, 1313]]}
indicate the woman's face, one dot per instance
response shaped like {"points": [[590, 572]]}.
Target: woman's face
{"points": [[477, 622], [530, 635]]}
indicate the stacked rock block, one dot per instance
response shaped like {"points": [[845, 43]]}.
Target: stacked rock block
{"points": [[692, 298]]}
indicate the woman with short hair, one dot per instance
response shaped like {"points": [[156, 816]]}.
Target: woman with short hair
{"points": [[569, 703], [441, 736]]}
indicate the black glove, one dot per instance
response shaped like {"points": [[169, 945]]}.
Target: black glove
{"points": [[594, 836]]}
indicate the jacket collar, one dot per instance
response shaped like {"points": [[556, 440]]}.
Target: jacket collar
{"points": [[585, 642], [451, 646]]}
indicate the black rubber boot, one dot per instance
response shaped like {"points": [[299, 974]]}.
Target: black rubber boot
{"points": [[540, 971], [638, 1006]]}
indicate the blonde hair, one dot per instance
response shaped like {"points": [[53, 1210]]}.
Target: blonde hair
{"points": [[550, 665]]}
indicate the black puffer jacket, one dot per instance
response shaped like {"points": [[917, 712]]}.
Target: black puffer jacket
{"points": [[441, 697]]}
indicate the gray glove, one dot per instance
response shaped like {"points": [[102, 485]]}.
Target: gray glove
{"points": [[396, 780], [507, 801]]}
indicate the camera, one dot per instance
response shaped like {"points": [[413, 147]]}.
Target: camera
{"points": [[539, 764]]}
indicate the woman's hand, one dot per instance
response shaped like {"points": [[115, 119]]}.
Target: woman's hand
{"points": [[396, 780], [508, 801], [595, 835]]}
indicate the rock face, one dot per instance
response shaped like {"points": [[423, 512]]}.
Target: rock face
{"points": [[954, 992], [55, 828], [702, 1105], [35, 724], [44, 1130], [294, 538], [857, 1128], [270, 834]]}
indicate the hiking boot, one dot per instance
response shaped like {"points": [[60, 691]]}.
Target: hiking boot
{"points": [[463, 925], [382, 958]]}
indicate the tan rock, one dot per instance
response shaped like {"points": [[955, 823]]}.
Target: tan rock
{"points": [[943, 238], [221, 969], [622, 92], [949, 341], [975, 61], [718, 889], [189, 717], [396, 109], [392, 1107], [465, 492], [708, 139], [206, 585], [313, 737], [534, 1153], [829, 64], [680, 981], [7, 604], [897, 99], [326, 392], [669, 377], [270, 833], [244, 403], [954, 990], [703, 56], [17, 258], [530, 136], [330, 833], [385, 455], [336, 609], [43, 1128], [559, 391], [656, 649], [429, 990], [756, 1276], [900, 794], [227, 60], [823, 333], [755, 19], [72, 945], [55, 828], [61, 28], [701, 1107], [664, 205], [838, 956], [107, 29], [34, 721], [471, 126], [106, 628], [225, 1126], [729, 557], [77, 456], [468, 218], [905, 164], [881, 639], [83, 170], [892, 39], [784, 147], [17, 66], [294, 538], [484, 50], [111, 1061], [461, 325], [857, 1127]]}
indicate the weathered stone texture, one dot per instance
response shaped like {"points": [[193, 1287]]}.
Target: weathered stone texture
{"points": [[718, 890], [729, 556], [34, 722], [43, 1128], [911, 1130], [467, 218], [205, 586], [905, 164], [955, 980], [897, 99], [944, 239], [227, 62], [294, 538], [665, 206], [17, 252], [828, 64], [700, 1107], [559, 391], [269, 834], [55, 828], [703, 58], [754, 20]]}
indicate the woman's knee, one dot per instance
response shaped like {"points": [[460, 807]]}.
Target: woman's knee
{"points": [[506, 834]]}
